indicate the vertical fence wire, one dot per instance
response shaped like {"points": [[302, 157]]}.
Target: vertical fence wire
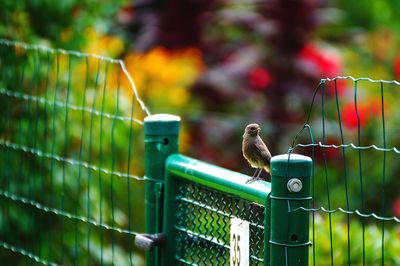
{"points": [[67, 152], [328, 197], [383, 174], [360, 169]]}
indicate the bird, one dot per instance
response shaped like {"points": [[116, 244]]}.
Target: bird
{"points": [[255, 151]]}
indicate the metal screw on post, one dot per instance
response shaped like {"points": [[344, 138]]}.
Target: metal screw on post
{"points": [[294, 185]]}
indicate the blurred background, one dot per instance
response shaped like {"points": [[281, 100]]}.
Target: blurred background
{"points": [[221, 64]]}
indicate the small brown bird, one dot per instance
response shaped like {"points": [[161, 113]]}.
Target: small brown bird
{"points": [[255, 151]]}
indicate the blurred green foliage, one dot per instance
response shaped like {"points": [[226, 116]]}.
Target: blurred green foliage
{"points": [[50, 21], [340, 247]]}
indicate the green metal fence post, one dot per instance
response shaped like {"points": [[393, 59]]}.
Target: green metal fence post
{"points": [[290, 190], [161, 140]]}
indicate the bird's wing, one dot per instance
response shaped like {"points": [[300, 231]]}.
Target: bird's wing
{"points": [[263, 151]]}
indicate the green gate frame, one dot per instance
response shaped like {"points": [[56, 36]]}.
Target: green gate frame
{"points": [[181, 168]]}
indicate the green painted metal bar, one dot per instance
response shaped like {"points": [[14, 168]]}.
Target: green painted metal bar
{"points": [[290, 189], [161, 140], [218, 178], [180, 168]]}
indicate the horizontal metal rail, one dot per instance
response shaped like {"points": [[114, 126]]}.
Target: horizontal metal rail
{"points": [[217, 178]]}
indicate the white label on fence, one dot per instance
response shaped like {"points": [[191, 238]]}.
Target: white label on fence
{"points": [[239, 242]]}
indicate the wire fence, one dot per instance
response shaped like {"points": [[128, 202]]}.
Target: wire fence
{"points": [[352, 138], [71, 177]]}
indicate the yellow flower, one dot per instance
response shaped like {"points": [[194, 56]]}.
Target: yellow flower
{"points": [[163, 76], [178, 96], [184, 139]]}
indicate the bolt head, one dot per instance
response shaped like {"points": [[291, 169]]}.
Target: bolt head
{"points": [[294, 185]]}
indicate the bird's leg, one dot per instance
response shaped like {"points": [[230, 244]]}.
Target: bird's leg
{"points": [[255, 173], [255, 177]]}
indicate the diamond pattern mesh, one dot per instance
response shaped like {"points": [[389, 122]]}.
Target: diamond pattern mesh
{"points": [[203, 226]]}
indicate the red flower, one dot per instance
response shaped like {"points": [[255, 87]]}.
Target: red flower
{"points": [[341, 86], [323, 64], [326, 63], [396, 207], [259, 78], [366, 110], [332, 154], [396, 66], [349, 115]]}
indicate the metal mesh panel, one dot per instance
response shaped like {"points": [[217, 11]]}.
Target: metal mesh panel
{"points": [[67, 159], [203, 226], [353, 141]]}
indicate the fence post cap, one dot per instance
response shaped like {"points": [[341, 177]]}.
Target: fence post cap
{"points": [[299, 165], [161, 124]]}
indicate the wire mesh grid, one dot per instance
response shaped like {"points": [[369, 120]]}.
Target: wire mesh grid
{"points": [[68, 124], [352, 137], [203, 226]]}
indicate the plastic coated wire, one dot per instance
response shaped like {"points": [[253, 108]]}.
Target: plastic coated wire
{"points": [[66, 126], [60, 104], [360, 169], [345, 174], [88, 207], [326, 171], [26, 254], [383, 176], [113, 152], [100, 164], [128, 184], [82, 55], [357, 212], [349, 145], [80, 154], [359, 166], [30, 108], [63, 214], [67, 160], [70, 161]]}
